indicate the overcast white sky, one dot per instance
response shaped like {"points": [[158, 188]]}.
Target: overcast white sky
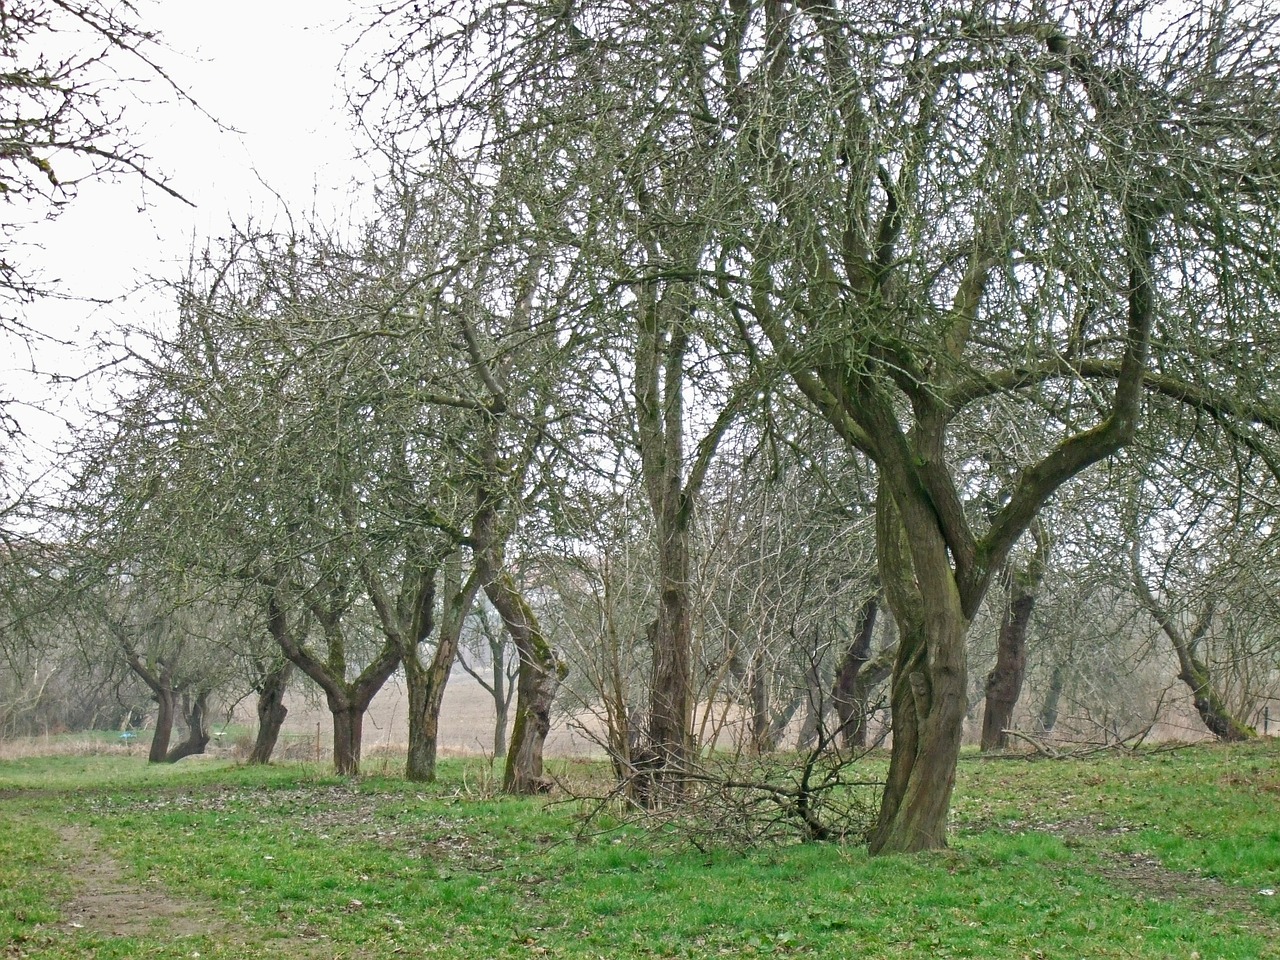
{"points": [[270, 69]]}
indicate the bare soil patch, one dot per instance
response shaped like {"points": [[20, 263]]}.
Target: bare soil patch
{"points": [[108, 902], [1146, 877]]}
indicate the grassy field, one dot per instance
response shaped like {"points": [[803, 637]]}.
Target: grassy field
{"points": [[1167, 854]]}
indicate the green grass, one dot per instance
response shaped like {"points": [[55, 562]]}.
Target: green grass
{"points": [[1158, 855]]}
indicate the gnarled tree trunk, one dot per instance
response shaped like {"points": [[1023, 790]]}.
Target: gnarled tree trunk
{"points": [[1004, 682], [426, 681], [195, 714], [540, 674], [166, 712], [928, 697], [347, 699], [272, 685]]}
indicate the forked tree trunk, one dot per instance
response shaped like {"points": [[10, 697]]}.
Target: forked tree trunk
{"points": [[271, 711], [497, 684], [347, 700], [195, 714], [928, 698], [769, 719], [812, 728], [426, 685], [811, 725], [408, 620], [536, 684], [781, 718], [426, 682], [873, 673]]}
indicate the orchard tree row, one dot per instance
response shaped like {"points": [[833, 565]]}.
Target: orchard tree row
{"points": [[743, 353]]}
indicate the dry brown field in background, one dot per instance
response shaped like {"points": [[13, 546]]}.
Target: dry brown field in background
{"points": [[467, 719], [466, 722]]}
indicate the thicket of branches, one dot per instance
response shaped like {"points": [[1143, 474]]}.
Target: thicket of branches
{"points": [[781, 374]]}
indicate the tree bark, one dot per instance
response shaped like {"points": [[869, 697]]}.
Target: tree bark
{"points": [[166, 709], [1049, 709], [348, 730], [408, 624], [1004, 682], [426, 685], [928, 696], [501, 719], [849, 693], [271, 711], [537, 682], [670, 637], [928, 707], [195, 710], [762, 740]]}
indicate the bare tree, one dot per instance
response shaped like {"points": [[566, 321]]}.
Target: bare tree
{"points": [[171, 640], [1189, 545], [220, 455], [485, 655], [930, 223], [62, 121]]}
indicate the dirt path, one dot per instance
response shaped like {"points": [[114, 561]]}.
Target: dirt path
{"points": [[107, 902], [1144, 876]]}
